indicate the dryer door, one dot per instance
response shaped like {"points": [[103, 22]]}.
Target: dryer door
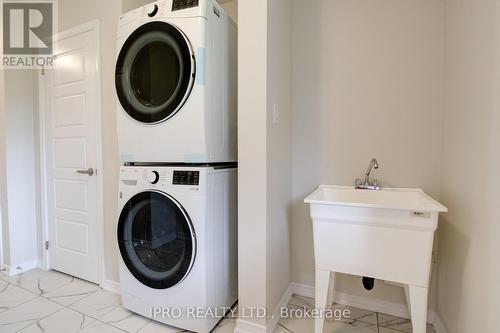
{"points": [[155, 72], [156, 239]]}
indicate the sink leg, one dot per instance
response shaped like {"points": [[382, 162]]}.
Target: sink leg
{"points": [[322, 291], [418, 307], [407, 294], [331, 291]]}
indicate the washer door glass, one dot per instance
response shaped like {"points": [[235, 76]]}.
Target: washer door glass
{"points": [[156, 239], [154, 72]]}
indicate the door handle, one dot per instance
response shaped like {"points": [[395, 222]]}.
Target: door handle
{"points": [[89, 172]]}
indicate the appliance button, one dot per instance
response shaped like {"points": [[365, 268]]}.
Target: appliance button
{"points": [[154, 11]]}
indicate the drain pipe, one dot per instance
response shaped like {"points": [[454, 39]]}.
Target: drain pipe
{"points": [[368, 283]]}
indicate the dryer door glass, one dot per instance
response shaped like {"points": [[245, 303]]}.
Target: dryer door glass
{"points": [[156, 239], [154, 72]]}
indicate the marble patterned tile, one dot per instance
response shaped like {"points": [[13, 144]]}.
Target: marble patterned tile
{"points": [[26, 314], [40, 282], [281, 329], [300, 301], [156, 327], [72, 292], [388, 330], [65, 320], [125, 320], [356, 314], [225, 326], [100, 327], [306, 325], [12, 296], [98, 304], [398, 324]]}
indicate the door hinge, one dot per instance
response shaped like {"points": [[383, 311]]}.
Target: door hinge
{"points": [[46, 245]]}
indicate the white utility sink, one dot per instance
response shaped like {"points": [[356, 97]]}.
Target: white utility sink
{"points": [[385, 234]]}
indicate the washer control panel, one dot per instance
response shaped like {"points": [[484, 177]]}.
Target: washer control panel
{"points": [[184, 4], [186, 178]]}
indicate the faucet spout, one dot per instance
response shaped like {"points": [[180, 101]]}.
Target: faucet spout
{"points": [[373, 164], [367, 184]]}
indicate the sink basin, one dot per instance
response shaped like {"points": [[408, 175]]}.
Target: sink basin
{"points": [[385, 234], [389, 198]]}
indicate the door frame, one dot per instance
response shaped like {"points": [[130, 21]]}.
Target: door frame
{"points": [[92, 26]]}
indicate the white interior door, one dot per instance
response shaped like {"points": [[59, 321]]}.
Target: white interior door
{"points": [[71, 144]]}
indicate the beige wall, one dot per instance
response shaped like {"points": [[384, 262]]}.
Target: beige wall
{"points": [[128, 5], [279, 142], [231, 8], [73, 13], [367, 82], [468, 290]]}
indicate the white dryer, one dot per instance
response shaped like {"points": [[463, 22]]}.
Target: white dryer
{"points": [[176, 82], [177, 234]]}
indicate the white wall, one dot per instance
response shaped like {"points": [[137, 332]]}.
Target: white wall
{"points": [[20, 169], [4, 217], [252, 155], [367, 82], [71, 14], [264, 154], [469, 266], [279, 143]]}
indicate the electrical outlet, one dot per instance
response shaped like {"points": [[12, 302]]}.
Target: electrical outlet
{"points": [[276, 114]]}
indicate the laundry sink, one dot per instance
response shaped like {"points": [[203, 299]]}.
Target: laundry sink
{"points": [[386, 198], [385, 234]]}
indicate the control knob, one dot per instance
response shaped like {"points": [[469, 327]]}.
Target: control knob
{"points": [[154, 177], [153, 11]]}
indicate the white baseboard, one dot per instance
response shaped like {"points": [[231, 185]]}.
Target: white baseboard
{"points": [[111, 286], [21, 268], [303, 290], [371, 304], [285, 299], [245, 326]]}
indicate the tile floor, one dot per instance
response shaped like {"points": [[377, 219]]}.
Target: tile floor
{"points": [[52, 302]]}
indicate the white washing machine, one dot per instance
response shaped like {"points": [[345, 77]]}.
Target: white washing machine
{"points": [[176, 81], [177, 234]]}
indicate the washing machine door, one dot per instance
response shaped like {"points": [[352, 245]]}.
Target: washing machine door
{"points": [[155, 72], [156, 239]]}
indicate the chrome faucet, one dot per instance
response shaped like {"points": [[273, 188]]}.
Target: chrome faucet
{"points": [[367, 184]]}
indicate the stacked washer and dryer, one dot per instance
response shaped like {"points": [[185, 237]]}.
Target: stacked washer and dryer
{"points": [[177, 118]]}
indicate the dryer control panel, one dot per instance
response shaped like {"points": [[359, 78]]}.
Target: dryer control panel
{"points": [[184, 4]]}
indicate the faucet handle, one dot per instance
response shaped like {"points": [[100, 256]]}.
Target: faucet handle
{"points": [[375, 182], [359, 182]]}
